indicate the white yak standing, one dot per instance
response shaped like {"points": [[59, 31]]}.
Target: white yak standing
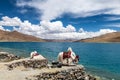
{"points": [[68, 58]]}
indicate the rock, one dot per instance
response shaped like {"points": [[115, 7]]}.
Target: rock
{"points": [[28, 63], [64, 74], [6, 57], [13, 61]]}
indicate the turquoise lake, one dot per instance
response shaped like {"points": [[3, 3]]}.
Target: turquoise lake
{"points": [[101, 59]]}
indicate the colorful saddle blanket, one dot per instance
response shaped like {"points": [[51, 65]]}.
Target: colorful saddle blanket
{"points": [[66, 55]]}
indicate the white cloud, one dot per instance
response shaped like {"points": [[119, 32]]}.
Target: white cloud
{"points": [[57, 27], [113, 18], [77, 35], [52, 9], [23, 11], [6, 21], [81, 30], [50, 30], [113, 25], [2, 28]]}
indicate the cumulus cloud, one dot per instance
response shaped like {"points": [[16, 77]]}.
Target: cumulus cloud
{"points": [[52, 9], [6, 21], [50, 30], [57, 27]]}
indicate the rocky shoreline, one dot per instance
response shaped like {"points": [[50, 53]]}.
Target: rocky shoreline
{"points": [[32, 69], [71, 73]]}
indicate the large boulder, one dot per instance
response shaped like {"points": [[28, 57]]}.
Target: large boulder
{"points": [[6, 57]]}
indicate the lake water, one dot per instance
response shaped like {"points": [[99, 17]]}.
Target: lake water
{"points": [[102, 59]]}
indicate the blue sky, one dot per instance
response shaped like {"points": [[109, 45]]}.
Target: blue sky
{"points": [[90, 15], [9, 8]]}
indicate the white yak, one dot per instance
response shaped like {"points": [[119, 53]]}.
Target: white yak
{"points": [[68, 58], [35, 55]]}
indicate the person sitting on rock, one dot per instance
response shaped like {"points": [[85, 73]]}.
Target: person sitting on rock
{"points": [[35, 55]]}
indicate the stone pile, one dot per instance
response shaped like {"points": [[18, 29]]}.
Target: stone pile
{"points": [[6, 57], [69, 74], [28, 63]]}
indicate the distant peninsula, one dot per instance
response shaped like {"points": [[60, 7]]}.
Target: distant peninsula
{"points": [[15, 36]]}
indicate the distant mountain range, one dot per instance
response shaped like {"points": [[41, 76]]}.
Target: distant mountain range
{"points": [[110, 37], [60, 40], [15, 36]]}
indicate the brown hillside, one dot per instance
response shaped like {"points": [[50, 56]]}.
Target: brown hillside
{"points": [[19, 37], [110, 37]]}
